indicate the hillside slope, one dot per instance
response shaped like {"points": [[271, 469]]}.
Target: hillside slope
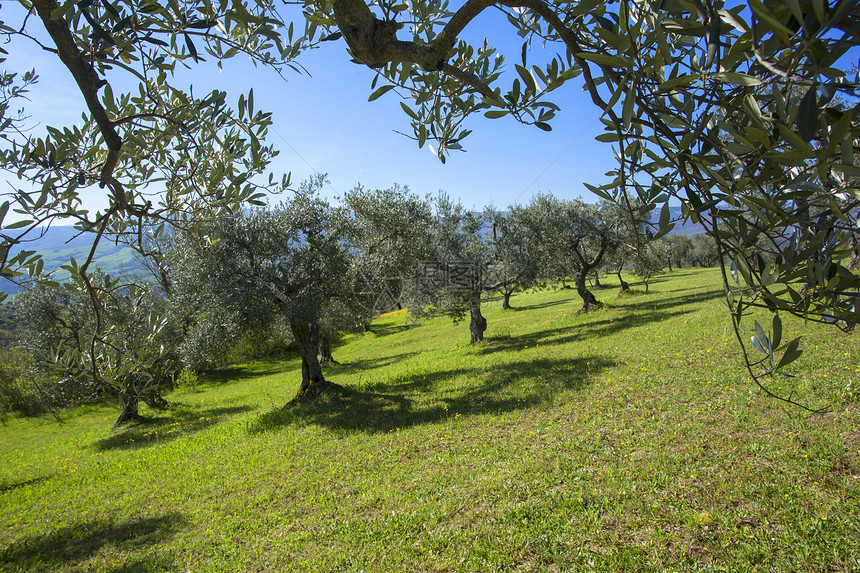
{"points": [[625, 440], [58, 243]]}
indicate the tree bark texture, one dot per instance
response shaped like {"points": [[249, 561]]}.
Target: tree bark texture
{"points": [[325, 350], [477, 322], [307, 337], [583, 267], [129, 400], [589, 302], [624, 285]]}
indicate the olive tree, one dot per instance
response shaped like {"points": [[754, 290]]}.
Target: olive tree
{"points": [[569, 234], [704, 253], [515, 257], [650, 258], [159, 153], [453, 277], [678, 250], [389, 233], [699, 104], [127, 349], [247, 270]]}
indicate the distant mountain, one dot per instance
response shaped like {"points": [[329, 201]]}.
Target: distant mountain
{"points": [[681, 227], [59, 243]]}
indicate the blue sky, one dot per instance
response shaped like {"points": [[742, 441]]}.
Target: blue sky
{"points": [[324, 123]]}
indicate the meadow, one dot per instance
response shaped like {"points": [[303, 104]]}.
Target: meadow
{"points": [[628, 439]]}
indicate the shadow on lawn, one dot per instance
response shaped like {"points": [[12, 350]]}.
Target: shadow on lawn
{"points": [[232, 374], [675, 301], [35, 481], [355, 366], [179, 420], [488, 390], [81, 541], [577, 330], [388, 329]]}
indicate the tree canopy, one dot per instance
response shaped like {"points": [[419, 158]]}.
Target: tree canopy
{"points": [[744, 113], [731, 109]]}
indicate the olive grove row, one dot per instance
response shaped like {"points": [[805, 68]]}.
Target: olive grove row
{"points": [[744, 113], [306, 271]]}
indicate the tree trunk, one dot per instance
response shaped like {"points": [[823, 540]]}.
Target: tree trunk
{"points": [[477, 322], [597, 280], [669, 262], [153, 398], [588, 301], [583, 267], [325, 351], [506, 301], [624, 285], [129, 400], [307, 337]]}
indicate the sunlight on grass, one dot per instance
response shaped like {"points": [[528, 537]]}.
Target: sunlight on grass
{"points": [[625, 440]]}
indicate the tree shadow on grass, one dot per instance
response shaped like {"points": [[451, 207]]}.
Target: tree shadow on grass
{"points": [[517, 308], [592, 325], [403, 402], [574, 332], [35, 481], [675, 301], [179, 420], [354, 366], [388, 329], [81, 541], [233, 374]]}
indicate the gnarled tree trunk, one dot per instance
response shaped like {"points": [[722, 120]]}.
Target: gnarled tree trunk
{"points": [[129, 399], [477, 322], [589, 302], [325, 351], [583, 267], [506, 301], [306, 335], [624, 285]]}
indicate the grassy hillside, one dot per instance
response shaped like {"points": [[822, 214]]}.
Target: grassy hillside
{"points": [[61, 242], [626, 440]]}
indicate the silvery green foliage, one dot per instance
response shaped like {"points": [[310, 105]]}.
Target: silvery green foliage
{"points": [[457, 255], [704, 253], [743, 113], [128, 346], [649, 259], [571, 236], [515, 263], [679, 250], [244, 272], [159, 152], [389, 232]]}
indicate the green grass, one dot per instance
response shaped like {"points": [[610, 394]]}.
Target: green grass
{"points": [[626, 440]]}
